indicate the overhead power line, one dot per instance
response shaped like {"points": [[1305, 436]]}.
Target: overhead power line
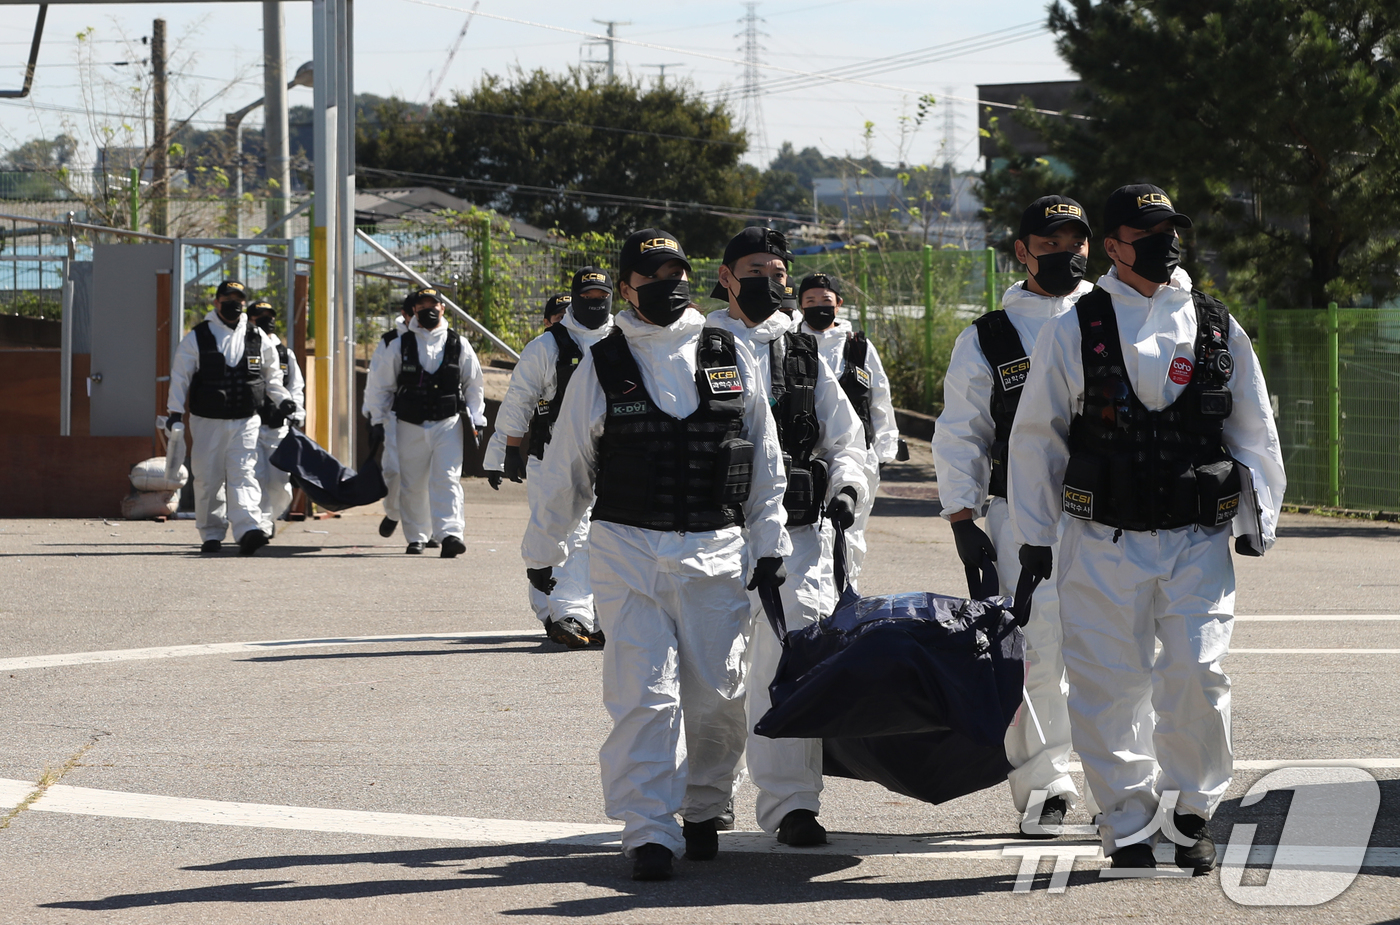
{"points": [[602, 128]]}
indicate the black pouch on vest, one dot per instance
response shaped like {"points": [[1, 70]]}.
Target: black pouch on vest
{"points": [[733, 471], [619, 480], [1183, 502], [1084, 486], [1216, 403], [1218, 490], [799, 500]]}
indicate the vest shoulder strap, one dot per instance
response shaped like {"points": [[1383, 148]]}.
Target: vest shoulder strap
{"points": [[204, 338], [568, 348], [282, 354], [1212, 319], [452, 351], [408, 350], [617, 369], [1002, 347], [388, 336], [717, 366], [857, 346], [1098, 330]]}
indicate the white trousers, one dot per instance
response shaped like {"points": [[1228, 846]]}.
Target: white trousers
{"points": [[224, 460], [573, 593], [855, 536], [275, 485], [675, 612], [787, 772], [1037, 765], [1147, 721], [389, 465], [430, 479]]}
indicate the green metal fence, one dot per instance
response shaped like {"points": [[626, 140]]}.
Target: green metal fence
{"points": [[1334, 382]]}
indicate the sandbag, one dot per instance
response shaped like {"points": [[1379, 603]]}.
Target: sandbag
{"points": [[149, 475], [145, 505]]}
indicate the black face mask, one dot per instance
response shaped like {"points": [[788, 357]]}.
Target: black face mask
{"points": [[228, 312], [759, 297], [264, 322], [664, 301], [592, 313], [819, 317], [428, 318], [1060, 273], [1157, 256]]}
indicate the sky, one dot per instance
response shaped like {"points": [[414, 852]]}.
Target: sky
{"points": [[402, 45]]}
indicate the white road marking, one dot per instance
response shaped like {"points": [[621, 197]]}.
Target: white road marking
{"points": [[243, 648], [1313, 617], [85, 801], [1273, 764], [1315, 651]]}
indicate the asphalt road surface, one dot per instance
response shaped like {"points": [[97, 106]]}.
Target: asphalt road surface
{"points": [[332, 731]]}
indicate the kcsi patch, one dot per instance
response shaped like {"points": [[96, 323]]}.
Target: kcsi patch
{"points": [[724, 380], [862, 377], [1226, 509], [1013, 375], [1078, 503]]}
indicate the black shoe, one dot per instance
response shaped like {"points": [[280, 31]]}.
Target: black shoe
{"points": [[431, 544], [387, 527], [1134, 857], [652, 862], [701, 840], [1200, 857], [566, 632], [209, 546], [596, 638], [1052, 818], [800, 829], [452, 547], [725, 820], [251, 542], [414, 549]]}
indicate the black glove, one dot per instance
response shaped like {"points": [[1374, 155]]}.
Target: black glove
{"points": [[1038, 561], [975, 549], [515, 466], [902, 454], [376, 432], [768, 572], [287, 408], [542, 579], [175, 417], [842, 509], [493, 478], [1245, 548]]}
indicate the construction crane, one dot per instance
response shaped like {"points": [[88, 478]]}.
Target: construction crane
{"points": [[442, 75]]}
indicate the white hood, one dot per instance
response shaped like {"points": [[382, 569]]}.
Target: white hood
{"points": [[666, 357], [586, 337], [1153, 330], [430, 344], [756, 338], [1029, 311], [230, 340]]}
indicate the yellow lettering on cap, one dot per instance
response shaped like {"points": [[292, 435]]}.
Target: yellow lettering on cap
{"points": [[595, 278], [238, 286], [1153, 199], [1063, 208], [660, 242]]}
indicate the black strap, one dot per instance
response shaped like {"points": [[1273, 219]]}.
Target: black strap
{"points": [[1025, 589], [617, 369], [772, 602], [856, 348], [388, 336], [1001, 346]]}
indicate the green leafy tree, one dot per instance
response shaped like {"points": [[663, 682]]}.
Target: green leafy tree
{"points": [[524, 144], [1275, 122]]}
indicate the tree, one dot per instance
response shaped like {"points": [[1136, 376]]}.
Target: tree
{"points": [[528, 145], [41, 154], [1274, 122]]}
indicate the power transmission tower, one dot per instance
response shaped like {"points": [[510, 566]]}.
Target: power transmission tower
{"points": [[611, 42], [750, 101], [664, 66]]}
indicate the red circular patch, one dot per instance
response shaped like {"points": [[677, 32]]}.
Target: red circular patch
{"points": [[1181, 371]]}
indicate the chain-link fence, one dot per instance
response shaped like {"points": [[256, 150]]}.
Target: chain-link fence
{"points": [[1334, 382]]}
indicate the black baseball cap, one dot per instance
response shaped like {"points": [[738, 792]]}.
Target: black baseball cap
{"points": [[789, 298], [261, 305], [591, 278], [557, 304], [418, 295], [1140, 205], [1048, 213], [819, 281], [755, 239], [645, 251], [231, 287]]}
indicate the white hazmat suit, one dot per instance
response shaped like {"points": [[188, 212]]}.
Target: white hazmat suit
{"points": [[885, 439], [533, 382], [673, 604], [962, 443], [389, 459], [788, 772], [224, 452], [1142, 722], [429, 454], [275, 484]]}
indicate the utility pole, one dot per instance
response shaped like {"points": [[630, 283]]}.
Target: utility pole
{"points": [[160, 167], [663, 68], [751, 111], [275, 144], [610, 41]]}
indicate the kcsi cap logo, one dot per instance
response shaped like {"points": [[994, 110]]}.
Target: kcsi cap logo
{"points": [[1153, 199], [654, 243], [1064, 208], [594, 278]]}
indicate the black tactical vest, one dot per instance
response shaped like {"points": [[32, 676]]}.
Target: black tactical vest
{"points": [[271, 417], [225, 392], [660, 473], [547, 411], [855, 381], [432, 396], [1010, 364], [795, 364], [388, 336], [1137, 469]]}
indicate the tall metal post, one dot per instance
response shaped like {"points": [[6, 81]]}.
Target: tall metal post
{"points": [[487, 295], [991, 279], [323, 231], [275, 142], [345, 238], [928, 327], [1334, 408], [864, 287], [160, 191], [65, 362]]}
